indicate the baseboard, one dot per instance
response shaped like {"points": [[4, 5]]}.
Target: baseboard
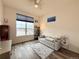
{"points": [[21, 42], [68, 50]]}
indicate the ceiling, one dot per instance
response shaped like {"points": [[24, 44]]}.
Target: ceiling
{"points": [[46, 6]]}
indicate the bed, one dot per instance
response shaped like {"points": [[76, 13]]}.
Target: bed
{"points": [[53, 43]]}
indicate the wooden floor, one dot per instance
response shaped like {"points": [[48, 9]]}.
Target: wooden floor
{"points": [[23, 51], [64, 54]]}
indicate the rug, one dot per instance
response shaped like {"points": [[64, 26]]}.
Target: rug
{"points": [[41, 50]]}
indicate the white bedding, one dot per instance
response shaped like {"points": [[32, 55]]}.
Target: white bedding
{"points": [[50, 42]]}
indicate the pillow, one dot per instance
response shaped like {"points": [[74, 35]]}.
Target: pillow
{"points": [[50, 38]]}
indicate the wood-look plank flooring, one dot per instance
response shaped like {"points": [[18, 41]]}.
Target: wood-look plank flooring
{"points": [[23, 51]]}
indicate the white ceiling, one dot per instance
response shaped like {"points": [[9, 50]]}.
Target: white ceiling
{"points": [[46, 6]]}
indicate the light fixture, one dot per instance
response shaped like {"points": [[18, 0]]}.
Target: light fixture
{"points": [[36, 6], [36, 3]]}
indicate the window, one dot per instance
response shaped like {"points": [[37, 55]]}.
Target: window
{"points": [[24, 25]]}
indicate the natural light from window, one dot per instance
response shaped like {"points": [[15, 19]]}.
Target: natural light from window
{"points": [[24, 28]]}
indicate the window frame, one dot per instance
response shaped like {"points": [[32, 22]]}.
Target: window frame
{"points": [[25, 24]]}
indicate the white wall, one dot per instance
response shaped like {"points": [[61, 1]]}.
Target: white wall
{"points": [[10, 15], [1, 12], [67, 23]]}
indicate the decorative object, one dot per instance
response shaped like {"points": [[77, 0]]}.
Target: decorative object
{"points": [[36, 21], [5, 20], [64, 42], [51, 19], [36, 32]]}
